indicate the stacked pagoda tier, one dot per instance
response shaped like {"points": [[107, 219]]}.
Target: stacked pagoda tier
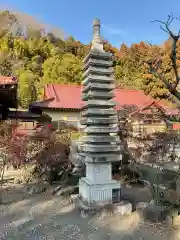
{"points": [[101, 144]]}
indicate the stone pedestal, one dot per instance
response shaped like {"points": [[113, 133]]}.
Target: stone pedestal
{"points": [[98, 185], [101, 193]]}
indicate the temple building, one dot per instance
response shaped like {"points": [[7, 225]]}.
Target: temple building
{"points": [[62, 102], [148, 120]]}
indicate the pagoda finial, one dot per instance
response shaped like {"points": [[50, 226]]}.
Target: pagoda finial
{"points": [[96, 30], [97, 42]]}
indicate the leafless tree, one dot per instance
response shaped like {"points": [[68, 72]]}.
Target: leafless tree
{"points": [[155, 64]]}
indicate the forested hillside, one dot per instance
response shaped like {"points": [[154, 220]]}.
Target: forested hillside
{"points": [[37, 58]]}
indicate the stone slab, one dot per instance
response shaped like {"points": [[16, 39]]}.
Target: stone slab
{"points": [[106, 209], [100, 129], [96, 70], [99, 192], [97, 55], [67, 191], [140, 208], [153, 212], [124, 208], [110, 145], [103, 121], [99, 173], [97, 62], [99, 112], [98, 94], [98, 86], [101, 157], [36, 188], [98, 103], [105, 139], [99, 148], [97, 78]]}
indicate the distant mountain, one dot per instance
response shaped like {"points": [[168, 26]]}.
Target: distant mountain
{"points": [[24, 20]]}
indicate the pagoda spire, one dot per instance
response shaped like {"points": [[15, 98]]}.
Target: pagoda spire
{"points": [[97, 43]]}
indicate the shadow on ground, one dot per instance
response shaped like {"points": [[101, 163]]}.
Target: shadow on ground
{"points": [[68, 224], [48, 217]]}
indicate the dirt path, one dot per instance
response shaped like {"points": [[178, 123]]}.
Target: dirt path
{"points": [[48, 217]]}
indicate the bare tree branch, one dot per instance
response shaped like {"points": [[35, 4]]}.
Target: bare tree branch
{"points": [[154, 65]]}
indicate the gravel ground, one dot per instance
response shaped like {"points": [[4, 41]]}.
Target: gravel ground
{"points": [[48, 217]]}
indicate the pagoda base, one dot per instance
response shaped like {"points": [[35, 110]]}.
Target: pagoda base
{"points": [[101, 199], [99, 193]]}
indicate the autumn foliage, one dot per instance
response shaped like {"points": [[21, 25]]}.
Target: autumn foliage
{"points": [[37, 58]]}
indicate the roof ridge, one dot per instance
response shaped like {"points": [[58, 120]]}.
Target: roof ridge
{"points": [[56, 96], [51, 90]]}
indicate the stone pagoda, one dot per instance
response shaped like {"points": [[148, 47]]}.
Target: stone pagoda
{"points": [[100, 145]]}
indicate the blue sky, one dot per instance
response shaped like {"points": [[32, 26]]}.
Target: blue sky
{"points": [[123, 21]]}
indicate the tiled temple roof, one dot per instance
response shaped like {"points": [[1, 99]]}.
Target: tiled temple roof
{"points": [[68, 96]]}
